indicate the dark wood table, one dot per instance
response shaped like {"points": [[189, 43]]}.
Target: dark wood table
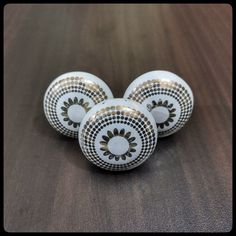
{"points": [[49, 185]]}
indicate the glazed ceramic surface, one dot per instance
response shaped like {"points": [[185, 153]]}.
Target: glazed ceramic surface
{"points": [[69, 97], [167, 96], [118, 134]]}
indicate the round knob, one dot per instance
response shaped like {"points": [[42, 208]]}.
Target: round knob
{"points": [[167, 96], [69, 97], [118, 134]]}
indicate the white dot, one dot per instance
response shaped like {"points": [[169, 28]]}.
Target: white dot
{"points": [[76, 113], [118, 145], [161, 114]]}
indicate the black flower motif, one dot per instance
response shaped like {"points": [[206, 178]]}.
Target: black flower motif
{"points": [[115, 133], [66, 107], [169, 108]]}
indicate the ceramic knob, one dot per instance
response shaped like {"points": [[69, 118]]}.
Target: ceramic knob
{"points": [[167, 96], [69, 97], [118, 134]]}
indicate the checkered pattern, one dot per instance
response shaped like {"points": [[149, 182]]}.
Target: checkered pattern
{"points": [[175, 90], [111, 116], [65, 86]]}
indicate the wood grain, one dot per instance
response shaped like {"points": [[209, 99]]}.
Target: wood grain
{"points": [[186, 186]]}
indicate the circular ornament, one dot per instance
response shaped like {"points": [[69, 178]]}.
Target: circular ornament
{"points": [[69, 97], [118, 134], [167, 96]]}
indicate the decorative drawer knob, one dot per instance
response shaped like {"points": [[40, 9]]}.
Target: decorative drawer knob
{"points": [[118, 134], [69, 97], [167, 96]]}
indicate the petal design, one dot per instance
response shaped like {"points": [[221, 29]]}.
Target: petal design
{"points": [[70, 101], [133, 144], [66, 104], [86, 104], [122, 132], [165, 103], [103, 142], [105, 138], [64, 109], [115, 131], [131, 139], [110, 134], [170, 109], [129, 154], [81, 101], [64, 114], [87, 109], [127, 135]]}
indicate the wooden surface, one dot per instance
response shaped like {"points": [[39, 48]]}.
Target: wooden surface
{"points": [[187, 183]]}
